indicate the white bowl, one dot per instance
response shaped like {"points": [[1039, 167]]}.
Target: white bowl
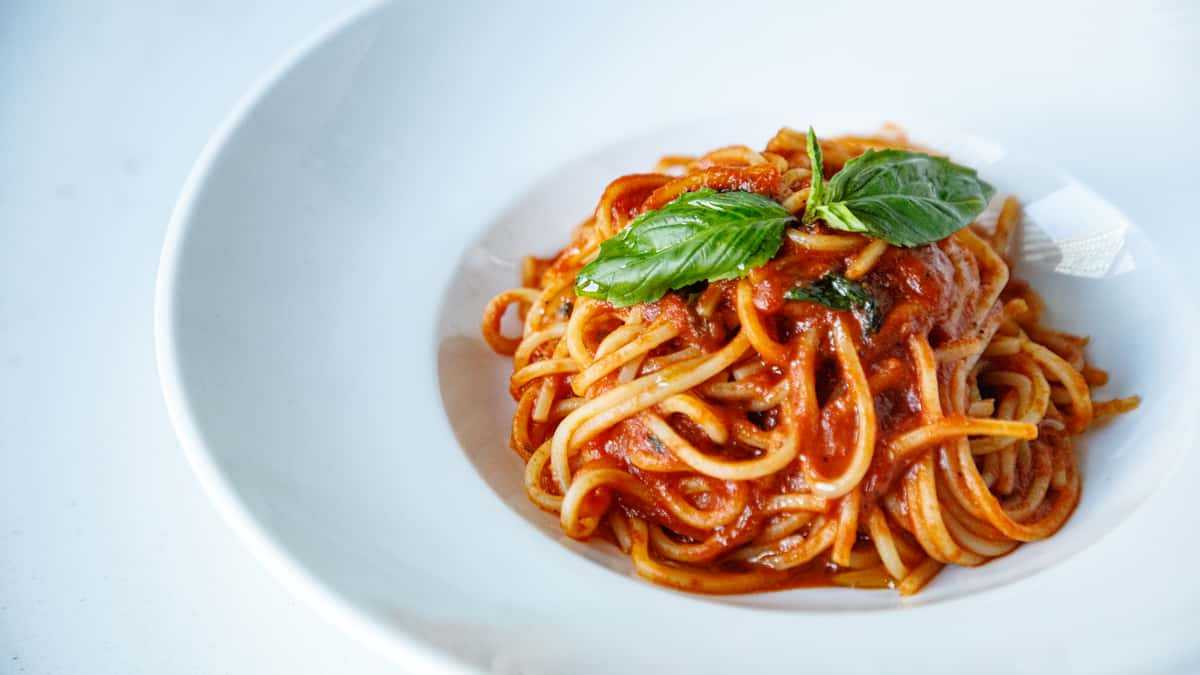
{"points": [[317, 329], [1092, 266]]}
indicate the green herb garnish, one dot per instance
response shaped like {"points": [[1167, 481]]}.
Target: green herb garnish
{"points": [[902, 197], [838, 292], [700, 236], [816, 193]]}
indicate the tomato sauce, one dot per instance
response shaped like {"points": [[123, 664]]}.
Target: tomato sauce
{"points": [[919, 291]]}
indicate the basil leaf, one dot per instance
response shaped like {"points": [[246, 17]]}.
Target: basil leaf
{"points": [[816, 193], [902, 197], [837, 292], [700, 236]]}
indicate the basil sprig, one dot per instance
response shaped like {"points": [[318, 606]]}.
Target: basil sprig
{"points": [[838, 292], [903, 197], [700, 236], [816, 193]]}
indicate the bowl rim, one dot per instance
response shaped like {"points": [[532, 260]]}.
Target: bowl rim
{"points": [[397, 646]]}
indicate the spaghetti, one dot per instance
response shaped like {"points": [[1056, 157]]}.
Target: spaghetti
{"points": [[730, 440]]}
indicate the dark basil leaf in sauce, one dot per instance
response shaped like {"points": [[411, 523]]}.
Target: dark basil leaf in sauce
{"points": [[838, 292]]}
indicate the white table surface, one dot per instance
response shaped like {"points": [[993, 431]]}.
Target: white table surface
{"points": [[111, 559]]}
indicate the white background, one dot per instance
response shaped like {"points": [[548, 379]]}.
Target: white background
{"points": [[111, 560]]}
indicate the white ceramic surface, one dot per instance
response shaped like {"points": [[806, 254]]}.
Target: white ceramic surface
{"points": [[112, 559], [317, 302]]}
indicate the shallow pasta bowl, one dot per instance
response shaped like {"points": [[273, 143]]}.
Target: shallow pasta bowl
{"points": [[317, 329]]}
